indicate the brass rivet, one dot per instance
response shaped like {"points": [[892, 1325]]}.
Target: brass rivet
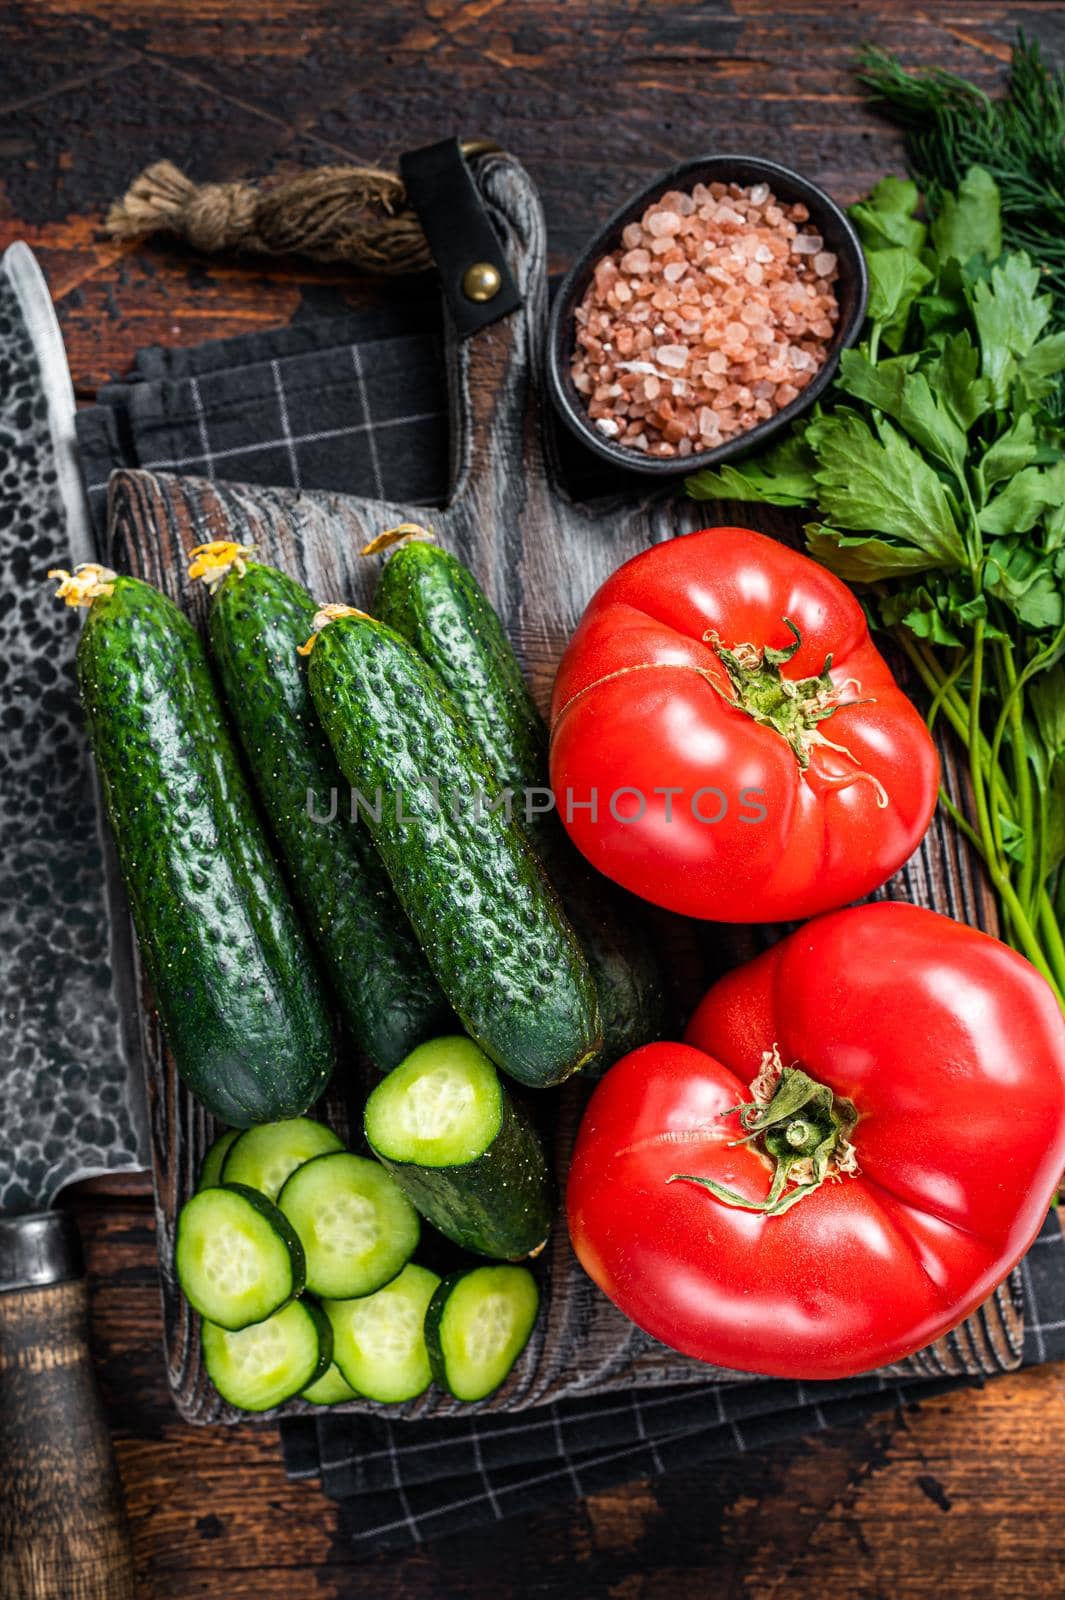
{"points": [[481, 282]]}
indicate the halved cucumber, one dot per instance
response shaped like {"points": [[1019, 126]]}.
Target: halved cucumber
{"points": [[266, 1157], [214, 1160], [447, 1129], [477, 1325], [379, 1342], [356, 1225], [258, 1367], [331, 1389], [237, 1256]]}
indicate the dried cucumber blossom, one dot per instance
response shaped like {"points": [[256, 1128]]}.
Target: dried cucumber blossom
{"points": [[212, 562], [85, 584], [330, 612]]}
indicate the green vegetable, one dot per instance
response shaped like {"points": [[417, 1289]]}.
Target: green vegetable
{"points": [[229, 964], [952, 126], [458, 1146], [237, 1258], [433, 600], [477, 1325], [259, 617], [477, 898], [356, 1226], [213, 1162], [264, 1158], [938, 473], [379, 1340], [331, 1389], [258, 1367]]}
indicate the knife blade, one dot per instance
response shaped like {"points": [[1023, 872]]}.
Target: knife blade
{"points": [[71, 1086]]}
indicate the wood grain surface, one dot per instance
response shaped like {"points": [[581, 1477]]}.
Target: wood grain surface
{"points": [[958, 1496]]}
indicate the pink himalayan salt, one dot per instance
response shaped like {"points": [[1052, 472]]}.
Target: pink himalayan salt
{"points": [[725, 301]]}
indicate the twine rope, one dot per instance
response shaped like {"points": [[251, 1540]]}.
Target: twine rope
{"points": [[357, 215]]}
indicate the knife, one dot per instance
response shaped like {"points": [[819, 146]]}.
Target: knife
{"points": [[71, 1087]]}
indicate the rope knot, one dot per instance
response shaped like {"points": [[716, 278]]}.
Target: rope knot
{"points": [[218, 216], [358, 215]]}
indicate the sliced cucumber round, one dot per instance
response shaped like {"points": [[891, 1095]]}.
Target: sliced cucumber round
{"points": [[215, 1159], [265, 1157], [441, 1107], [258, 1367], [477, 1325], [379, 1341], [357, 1227], [331, 1389], [448, 1130], [237, 1257]]}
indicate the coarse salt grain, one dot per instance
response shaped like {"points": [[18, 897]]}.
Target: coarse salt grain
{"points": [[727, 303]]}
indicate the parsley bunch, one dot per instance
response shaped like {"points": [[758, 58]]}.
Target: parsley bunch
{"points": [[938, 475]]}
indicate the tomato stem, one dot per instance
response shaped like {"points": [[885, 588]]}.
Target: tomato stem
{"points": [[801, 1126]]}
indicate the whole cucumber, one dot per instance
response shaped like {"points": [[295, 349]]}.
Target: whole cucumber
{"points": [[489, 922], [390, 999], [432, 599], [233, 975]]}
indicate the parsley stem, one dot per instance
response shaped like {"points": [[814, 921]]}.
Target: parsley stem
{"points": [[1012, 713], [945, 687], [976, 765], [952, 703], [1052, 939], [1013, 708], [994, 765], [928, 671], [1046, 953], [1051, 964]]}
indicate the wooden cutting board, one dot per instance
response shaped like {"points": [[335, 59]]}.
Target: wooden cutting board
{"points": [[539, 556]]}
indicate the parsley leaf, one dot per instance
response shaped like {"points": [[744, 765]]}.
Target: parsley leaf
{"points": [[952, 371], [871, 477], [1024, 499], [969, 222], [1010, 452], [896, 278], [859, 558], [783, 476], [886, 218], [1009, 315]]}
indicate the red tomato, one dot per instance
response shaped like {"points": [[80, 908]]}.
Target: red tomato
{"points": [[950, 1049], [750, 755]]}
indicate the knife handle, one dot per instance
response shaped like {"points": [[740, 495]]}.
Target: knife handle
{"points": [[63, 1529]]}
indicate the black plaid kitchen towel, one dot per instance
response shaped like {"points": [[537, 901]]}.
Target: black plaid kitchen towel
{"points": [[401, 1484], [356, 402]]}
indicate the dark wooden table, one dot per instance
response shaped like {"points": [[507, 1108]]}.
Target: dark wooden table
{"points": [[956, 1497]]}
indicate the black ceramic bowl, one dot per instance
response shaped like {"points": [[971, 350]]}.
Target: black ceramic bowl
{"points": [[852, 287]]}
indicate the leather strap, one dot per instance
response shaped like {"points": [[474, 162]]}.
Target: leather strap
{"points": [[441, 188]]}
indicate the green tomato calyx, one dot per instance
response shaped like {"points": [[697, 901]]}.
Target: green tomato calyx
{"points": [[800, 1126], [793, 707]]}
